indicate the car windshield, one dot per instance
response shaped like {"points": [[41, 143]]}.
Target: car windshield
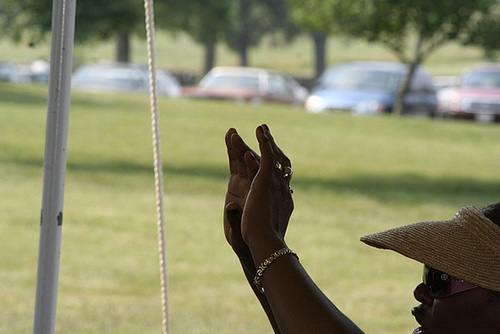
{"points": [[482, 79], [356, 78], [227, 81]]}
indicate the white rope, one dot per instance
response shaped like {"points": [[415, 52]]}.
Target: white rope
{"points": [[155, 128]]}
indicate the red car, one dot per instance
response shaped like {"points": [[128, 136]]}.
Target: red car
{"points": [[246, 84], [476, 97]]}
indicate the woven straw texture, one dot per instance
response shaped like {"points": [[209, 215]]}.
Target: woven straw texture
{"points": [[467, 246]]}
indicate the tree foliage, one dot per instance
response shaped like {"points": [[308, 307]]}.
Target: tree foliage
{"points": [[241, 24], [485, 33], [206, 21], [203, 20], [251, 20], [95, 19], [415, 29], [321, 15]]}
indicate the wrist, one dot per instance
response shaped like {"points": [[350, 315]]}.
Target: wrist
{"points": [[262, 247], [257, 281]]}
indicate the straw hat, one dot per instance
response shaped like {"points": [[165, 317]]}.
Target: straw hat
{"points": [[466, 247]]}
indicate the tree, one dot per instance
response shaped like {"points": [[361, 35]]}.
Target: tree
{"points": [[251, 20], [206, 21], [320, 18], [95, 19], [412, 30], [240, 23], [10, 12], [485, 34]]}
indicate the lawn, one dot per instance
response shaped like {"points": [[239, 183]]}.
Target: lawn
{"points": [[353, 176], [180, 54]]}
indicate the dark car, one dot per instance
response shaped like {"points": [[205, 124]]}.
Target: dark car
{"points": [[123, 77], [477, 96], [248, 84], [365, 87]]}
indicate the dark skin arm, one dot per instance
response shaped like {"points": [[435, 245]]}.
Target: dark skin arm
{"points": [[294, 303], [241, 175]]}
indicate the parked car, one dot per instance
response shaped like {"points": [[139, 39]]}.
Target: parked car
{"points": [[477, 96], [247, 84], [14, 73], [21, 73], [445, 81], [365, 87], [123, 77]]}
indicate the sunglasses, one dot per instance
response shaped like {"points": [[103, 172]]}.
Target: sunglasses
{"points": [[442, 285]]}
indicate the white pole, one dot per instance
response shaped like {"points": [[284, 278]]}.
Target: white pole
{"points": [[61, 62]]}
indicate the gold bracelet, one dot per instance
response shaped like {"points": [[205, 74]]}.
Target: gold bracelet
{"points": [[267, 262]]}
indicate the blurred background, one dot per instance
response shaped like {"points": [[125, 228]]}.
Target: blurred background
{"points": [[316, 71], [299, 40]]}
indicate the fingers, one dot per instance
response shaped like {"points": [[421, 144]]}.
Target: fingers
{"points": [[243, 161], [282, 158], [266, 151], [252, 162], [235, 151], [233, 157], [271, 153], [241, 147]]}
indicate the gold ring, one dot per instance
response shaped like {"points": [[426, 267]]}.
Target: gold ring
{"points": [[287, 173]]}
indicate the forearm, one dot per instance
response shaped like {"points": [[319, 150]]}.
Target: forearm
{"points": [[297, 304], [250, 274]]}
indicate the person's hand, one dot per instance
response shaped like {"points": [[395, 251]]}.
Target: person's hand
{"points": [[243, 165], [269, 202]]}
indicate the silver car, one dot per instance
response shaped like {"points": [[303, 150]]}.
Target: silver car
{"points": [[123, 77]]}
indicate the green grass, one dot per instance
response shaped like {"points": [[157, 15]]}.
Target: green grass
{"points": [[179, 53], [353, 176]]}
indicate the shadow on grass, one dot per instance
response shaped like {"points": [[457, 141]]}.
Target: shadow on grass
{"points": [[10, 93], [407, 188], [388, 188], [38, 95]]}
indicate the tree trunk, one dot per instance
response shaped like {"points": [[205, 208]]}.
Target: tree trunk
{"points": [[398, 108], [123, 48], [243, 55], [320, 40], [244, 33], [209, 56]]}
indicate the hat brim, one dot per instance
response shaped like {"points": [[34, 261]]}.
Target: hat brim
{"points": [[466, 247]]}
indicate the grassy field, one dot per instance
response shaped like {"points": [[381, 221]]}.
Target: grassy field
{"points": [[179, 53], [353, 176]]}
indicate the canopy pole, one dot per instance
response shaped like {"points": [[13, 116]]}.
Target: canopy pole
{"points": [[56, 138]]}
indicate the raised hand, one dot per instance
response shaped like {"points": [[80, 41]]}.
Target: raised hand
{"points": [[243, 165], [269, 202]]}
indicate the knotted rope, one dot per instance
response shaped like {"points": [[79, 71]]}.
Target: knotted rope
{"points": [[155, 128]]}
